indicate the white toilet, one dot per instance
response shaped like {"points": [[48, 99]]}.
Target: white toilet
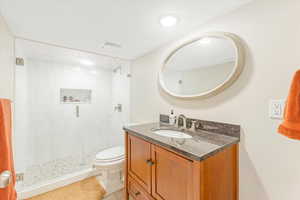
{"points": [[110, 163]]}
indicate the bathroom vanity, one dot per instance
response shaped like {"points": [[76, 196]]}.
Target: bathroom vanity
{"points": [[202, 166]]}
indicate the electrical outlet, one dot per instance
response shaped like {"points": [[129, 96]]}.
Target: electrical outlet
{"points": [[276, 109]]}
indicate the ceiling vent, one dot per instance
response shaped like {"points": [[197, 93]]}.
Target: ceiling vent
{"points": [[111, 44]]}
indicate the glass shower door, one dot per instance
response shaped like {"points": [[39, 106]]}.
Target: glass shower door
{"points": [[64, 111]]}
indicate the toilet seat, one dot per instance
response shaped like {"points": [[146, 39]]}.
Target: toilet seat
{"points": [[111, 156], [108, 164]]}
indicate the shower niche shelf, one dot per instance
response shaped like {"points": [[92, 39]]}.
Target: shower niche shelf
{"points": [[75, 96]]}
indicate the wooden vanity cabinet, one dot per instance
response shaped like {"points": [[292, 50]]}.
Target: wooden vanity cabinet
{"points": [[154, 172], [139, 156]]}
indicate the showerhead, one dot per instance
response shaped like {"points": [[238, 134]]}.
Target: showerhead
{"points": [[119, 68]]}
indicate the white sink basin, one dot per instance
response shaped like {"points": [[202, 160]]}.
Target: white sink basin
{"points": [[172, 134]]}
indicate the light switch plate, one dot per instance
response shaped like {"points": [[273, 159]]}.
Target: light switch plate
{"points": [[19, 177], [276, 109]]}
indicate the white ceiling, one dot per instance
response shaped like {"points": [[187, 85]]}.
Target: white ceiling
{"points": [[86, 25], [199, 54]]}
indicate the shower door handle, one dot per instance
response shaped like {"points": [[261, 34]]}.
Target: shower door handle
{"points": [[77, 111], [5, 179]]}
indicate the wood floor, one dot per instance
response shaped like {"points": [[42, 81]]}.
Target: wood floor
{"points": [[88, 189], [116, 196]]}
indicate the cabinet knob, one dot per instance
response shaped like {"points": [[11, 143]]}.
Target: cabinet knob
{"points": [[137, 193], [150, 162]]}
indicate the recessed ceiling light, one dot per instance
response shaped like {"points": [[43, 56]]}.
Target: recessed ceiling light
{"points": [[86, 62], [168, 21]]}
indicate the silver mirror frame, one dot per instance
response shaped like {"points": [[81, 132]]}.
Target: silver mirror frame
{"points": [[238, 68]]}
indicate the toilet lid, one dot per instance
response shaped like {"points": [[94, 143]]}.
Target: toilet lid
{"points": [[111, 154]]}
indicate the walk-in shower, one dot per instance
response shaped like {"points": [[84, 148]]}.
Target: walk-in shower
{"points": [[65, 112]]}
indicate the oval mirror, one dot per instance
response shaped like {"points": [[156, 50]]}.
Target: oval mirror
{"points": [[203, 66]]}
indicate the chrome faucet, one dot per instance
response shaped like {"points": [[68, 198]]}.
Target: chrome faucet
{"points": [[183, 120]]}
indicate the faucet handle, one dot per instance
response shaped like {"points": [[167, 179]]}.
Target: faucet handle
{"points": [[195, 125], [198, 125], [177, 121]]}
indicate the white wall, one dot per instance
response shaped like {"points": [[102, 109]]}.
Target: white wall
{"points": [[269, 162], [6, 61]]}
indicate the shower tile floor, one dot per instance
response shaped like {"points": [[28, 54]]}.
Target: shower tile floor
{"points": [[88, 189]]}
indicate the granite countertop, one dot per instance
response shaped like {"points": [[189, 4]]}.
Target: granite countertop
{"points": [[202, 145]]}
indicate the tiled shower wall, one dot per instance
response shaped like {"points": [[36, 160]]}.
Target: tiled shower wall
{"points": [[50, 141]]}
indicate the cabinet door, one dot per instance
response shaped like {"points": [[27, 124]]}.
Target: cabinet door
{"points": [[139, 155], [172, 176]]}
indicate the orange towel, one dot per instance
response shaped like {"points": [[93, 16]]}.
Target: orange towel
{"points": [[6, 154], [290, 126]]}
